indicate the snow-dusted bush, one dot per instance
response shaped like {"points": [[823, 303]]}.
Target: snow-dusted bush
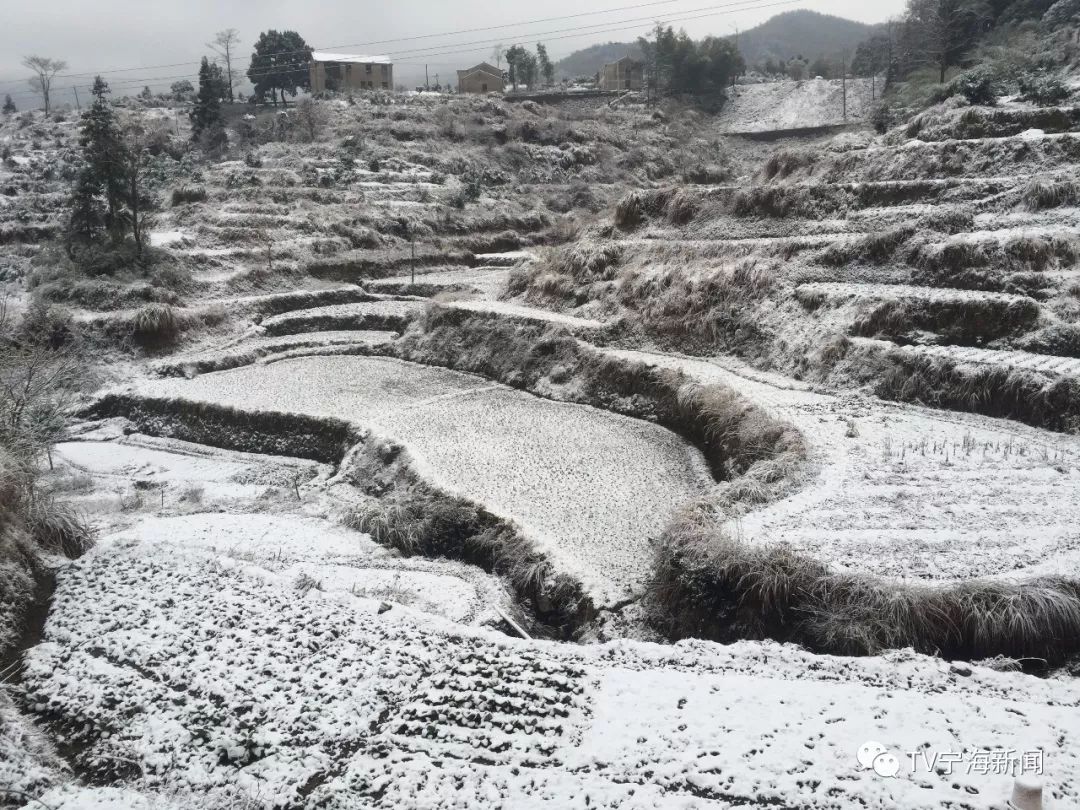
{"points": [[188, 194], [978, 85], [1045, 91], [1063, 12], [785, 162], [1041, 194]]}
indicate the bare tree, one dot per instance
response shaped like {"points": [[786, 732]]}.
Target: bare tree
{"points": [[45, 69], [136, 159], [497, 54], [224, 44], [939, 32]]}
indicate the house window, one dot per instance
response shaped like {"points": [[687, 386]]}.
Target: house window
{"points": [[483, 87], [367, 68], [386, 85]]}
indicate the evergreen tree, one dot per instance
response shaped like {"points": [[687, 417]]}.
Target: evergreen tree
{"points": [[279, 65], [207, 127], [9, 105], [674, 63], [515, 57], [86, 221], [103, 148], [547, 69]]}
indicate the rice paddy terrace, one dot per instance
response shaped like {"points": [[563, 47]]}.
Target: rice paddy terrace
{"points": [[323, 507], [933, 265]]}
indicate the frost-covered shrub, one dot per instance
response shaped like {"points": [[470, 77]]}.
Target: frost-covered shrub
{"points": [[1045, 91], [1063, 12], [978, 86], [1042, 194], [188, 194], [881, 118], [784, 162], [156, 325]]}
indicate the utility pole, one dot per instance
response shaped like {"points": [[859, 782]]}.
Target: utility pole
{"points": [[75, 90], [427, 84], [843, 75], [735, 76]]}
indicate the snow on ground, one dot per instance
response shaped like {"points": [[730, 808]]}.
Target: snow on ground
{"points": [[103, 473], [485, 280], [164, 238], [911, 493], [209, 674], [364, 315], [842, 291], [1011, 358], [552, 467], [266, 349], [794, 105], [528, 313]]}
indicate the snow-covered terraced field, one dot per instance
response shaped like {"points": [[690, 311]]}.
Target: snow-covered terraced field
{"points": [[844, 291], [513, 310], [910, 493], [485, 280], [1029, 361], [592, 486], [367, 315], [204, 673], [263, 349]]}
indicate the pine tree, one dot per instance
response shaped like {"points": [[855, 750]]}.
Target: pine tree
{"points": [[103, 150], [9, 105], [206, 124], [86, 221], [102, 175]]}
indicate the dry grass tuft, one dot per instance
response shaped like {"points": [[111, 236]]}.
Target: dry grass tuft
{"points": [[1039, 195], [709, 585], [784, 162]]}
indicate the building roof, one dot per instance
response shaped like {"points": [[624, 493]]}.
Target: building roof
{"points": [[323, 56], [464, 74], [629, 59]]}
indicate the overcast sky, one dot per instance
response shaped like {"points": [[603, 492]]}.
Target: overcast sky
{"points": [[158, 38]]}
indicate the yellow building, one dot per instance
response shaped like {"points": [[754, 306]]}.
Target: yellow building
{"points": [[482, 78], [623, 74], [342, 72]]}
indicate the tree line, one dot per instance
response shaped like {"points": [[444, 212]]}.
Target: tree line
{"points": [[675, 64]]}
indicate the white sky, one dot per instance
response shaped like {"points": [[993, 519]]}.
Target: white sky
{"points": [[102, 35]]}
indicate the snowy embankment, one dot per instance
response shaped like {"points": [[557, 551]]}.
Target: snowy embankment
{"points": [[549, 467], [794, 105], [189, 669]]}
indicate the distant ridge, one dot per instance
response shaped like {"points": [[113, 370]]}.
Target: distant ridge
{"points": [[588, 61], [785, 36], [802, 32]]}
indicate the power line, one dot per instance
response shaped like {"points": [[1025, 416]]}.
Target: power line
{"points": [[731, 8], [102, 73]]}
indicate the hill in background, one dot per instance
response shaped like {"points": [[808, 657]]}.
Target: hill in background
{"points": [[784, 36], [589, 60], [808, 33]]}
